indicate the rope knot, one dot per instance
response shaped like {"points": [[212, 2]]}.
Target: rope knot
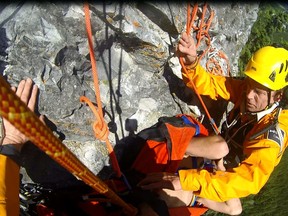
{"points": [[101, 129], [99, 126]]}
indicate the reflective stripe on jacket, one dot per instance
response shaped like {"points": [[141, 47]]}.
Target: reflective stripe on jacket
{"points": [[9, 187], [262, 154]]}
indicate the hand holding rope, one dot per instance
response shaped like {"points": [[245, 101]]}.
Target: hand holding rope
{"points": [[190, 20]]}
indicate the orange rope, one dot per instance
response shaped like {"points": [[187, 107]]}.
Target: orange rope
{"points": [[201, 33], [26, 121], [201, 29], [100, 127]]}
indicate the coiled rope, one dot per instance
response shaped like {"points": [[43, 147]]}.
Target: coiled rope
{"points": [[216, 58], [202, 32]]}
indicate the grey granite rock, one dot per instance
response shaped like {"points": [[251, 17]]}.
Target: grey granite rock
{"points": [[139, 77]]}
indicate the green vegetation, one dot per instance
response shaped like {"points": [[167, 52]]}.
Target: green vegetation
{"points": [[269, 29], [272, 199]]}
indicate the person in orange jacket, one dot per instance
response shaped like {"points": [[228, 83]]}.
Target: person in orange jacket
{"points": [[255, 131], [10, 147]]}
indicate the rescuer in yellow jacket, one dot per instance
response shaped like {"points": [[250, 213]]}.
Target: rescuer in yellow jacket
{"points": [[261, 153], [256, 128], [11, 143]]}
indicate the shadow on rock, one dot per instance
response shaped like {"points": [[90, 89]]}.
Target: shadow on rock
{"points": [[42, 169], [179, 90]]}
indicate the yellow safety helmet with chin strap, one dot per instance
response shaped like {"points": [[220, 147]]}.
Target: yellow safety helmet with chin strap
{"points": [[269, 67]]}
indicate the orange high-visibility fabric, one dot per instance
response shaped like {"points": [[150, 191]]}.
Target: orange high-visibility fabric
{"points": [[9, 187], [215, 86], [261, 153], [153, 156]]}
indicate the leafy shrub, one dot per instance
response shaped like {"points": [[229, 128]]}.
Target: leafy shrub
{"points": [[270, 28]]}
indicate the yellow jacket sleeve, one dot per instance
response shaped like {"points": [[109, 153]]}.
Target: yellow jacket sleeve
{"points": [[9, 187], [214, 86], [246, 179]]}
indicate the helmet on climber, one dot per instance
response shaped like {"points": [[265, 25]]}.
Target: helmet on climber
{"points": [[267, 73], [269, 67]]}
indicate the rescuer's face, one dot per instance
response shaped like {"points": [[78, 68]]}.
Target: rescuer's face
{"points": [[257, 96]]}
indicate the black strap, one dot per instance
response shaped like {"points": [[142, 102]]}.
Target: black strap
{"points": [[156, 131], [11, 151], [152, 133]]}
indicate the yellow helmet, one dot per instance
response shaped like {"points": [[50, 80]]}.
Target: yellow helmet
{"points": [[269, 67]]}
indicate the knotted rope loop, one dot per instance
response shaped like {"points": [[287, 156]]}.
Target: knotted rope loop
{"points": [[100, 127]]}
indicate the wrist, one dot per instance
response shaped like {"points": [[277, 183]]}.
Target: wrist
{"points": [[15, 144], [193, 64], [192, 61]]}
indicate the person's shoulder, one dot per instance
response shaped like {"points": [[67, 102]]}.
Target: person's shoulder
{"points": [[283, 117]]}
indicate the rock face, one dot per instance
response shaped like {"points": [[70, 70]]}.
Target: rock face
{"points": [[139, 75]]}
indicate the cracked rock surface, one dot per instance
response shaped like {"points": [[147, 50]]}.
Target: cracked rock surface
{"points": [[139, 76]]}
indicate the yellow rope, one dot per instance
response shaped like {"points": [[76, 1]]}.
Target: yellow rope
{"points": [[26, 121]]}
